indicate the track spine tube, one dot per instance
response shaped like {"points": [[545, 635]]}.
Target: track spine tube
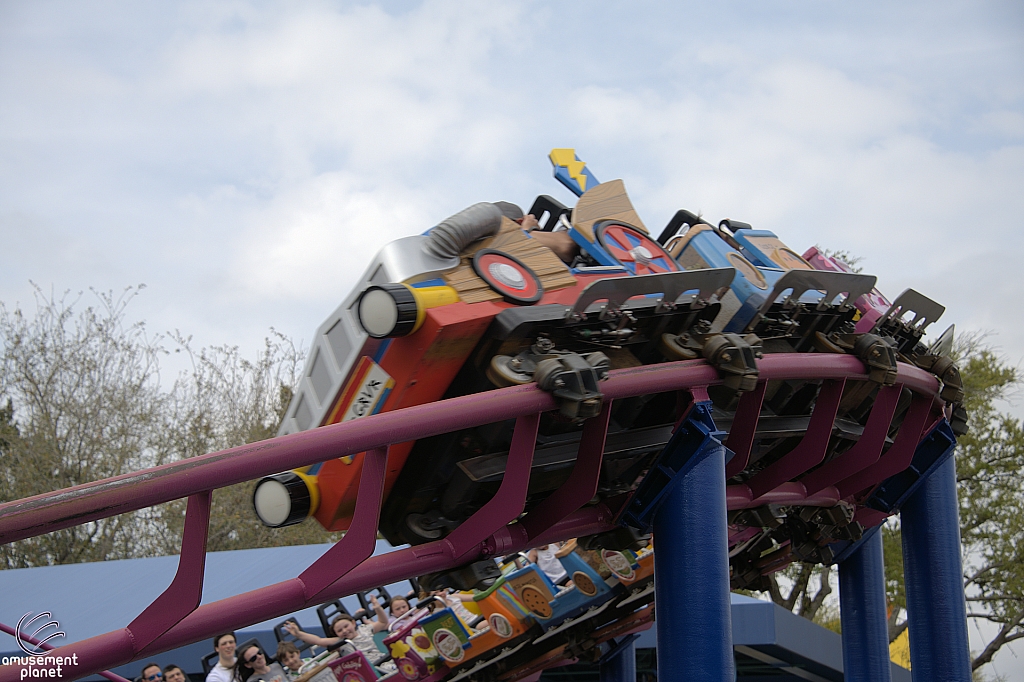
{"points": [[936, 608], [694, 616], [863, 615]]}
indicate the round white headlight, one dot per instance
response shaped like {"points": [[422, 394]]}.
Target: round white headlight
{"points": [[387, 310], [282, 499]]}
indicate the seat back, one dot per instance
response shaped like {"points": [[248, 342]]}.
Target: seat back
{"points": [[325, 612], [382, 594], [252, 641], [208, 661], [283, 635]]}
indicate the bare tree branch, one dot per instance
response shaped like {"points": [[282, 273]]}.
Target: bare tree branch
{"points": [[1005, 635]]}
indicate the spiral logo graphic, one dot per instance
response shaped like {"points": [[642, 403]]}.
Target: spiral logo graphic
{"points": [[32, 643]]}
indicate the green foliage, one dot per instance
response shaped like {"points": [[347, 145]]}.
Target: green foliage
{"points": [[847, 258], [895, 595], [82, 400], [832, 621], [990, 459], [83, 403], [9, 434]]}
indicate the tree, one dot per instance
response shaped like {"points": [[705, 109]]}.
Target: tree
{"points": [[83, 403], [990, 459], [895, 594], [10, 438], [82, 400], [808, 588]]}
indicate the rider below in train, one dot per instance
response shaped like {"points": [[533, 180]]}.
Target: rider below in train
{"points": [[253, 666], [454, 601], [151, 672], [547, 559], [399, 607], [174, 673], [224, 645], [425, 605], [345, 629], [290, 658]]}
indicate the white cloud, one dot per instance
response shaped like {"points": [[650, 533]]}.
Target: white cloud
{"points": [[318, 236], [391, 92]]}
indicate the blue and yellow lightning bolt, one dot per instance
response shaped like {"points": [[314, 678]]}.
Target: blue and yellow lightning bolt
{"points": [[572, 172]]}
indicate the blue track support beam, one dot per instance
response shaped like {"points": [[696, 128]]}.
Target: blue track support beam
{"points": [[936, 609], [691, 576], [622, 666], [863, 613]]}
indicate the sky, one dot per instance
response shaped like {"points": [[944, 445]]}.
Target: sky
{"points": [[245, 160]]}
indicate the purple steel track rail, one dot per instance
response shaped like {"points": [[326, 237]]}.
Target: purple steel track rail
{"points": [[113, 677], [175, 619]]}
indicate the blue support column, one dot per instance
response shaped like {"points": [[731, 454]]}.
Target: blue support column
{"points": [[691, 576], [936, 608], [621, 667], [863, 613]]}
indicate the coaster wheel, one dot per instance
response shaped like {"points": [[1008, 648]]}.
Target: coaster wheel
{"points": [[637, 252], [501, 372]]}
